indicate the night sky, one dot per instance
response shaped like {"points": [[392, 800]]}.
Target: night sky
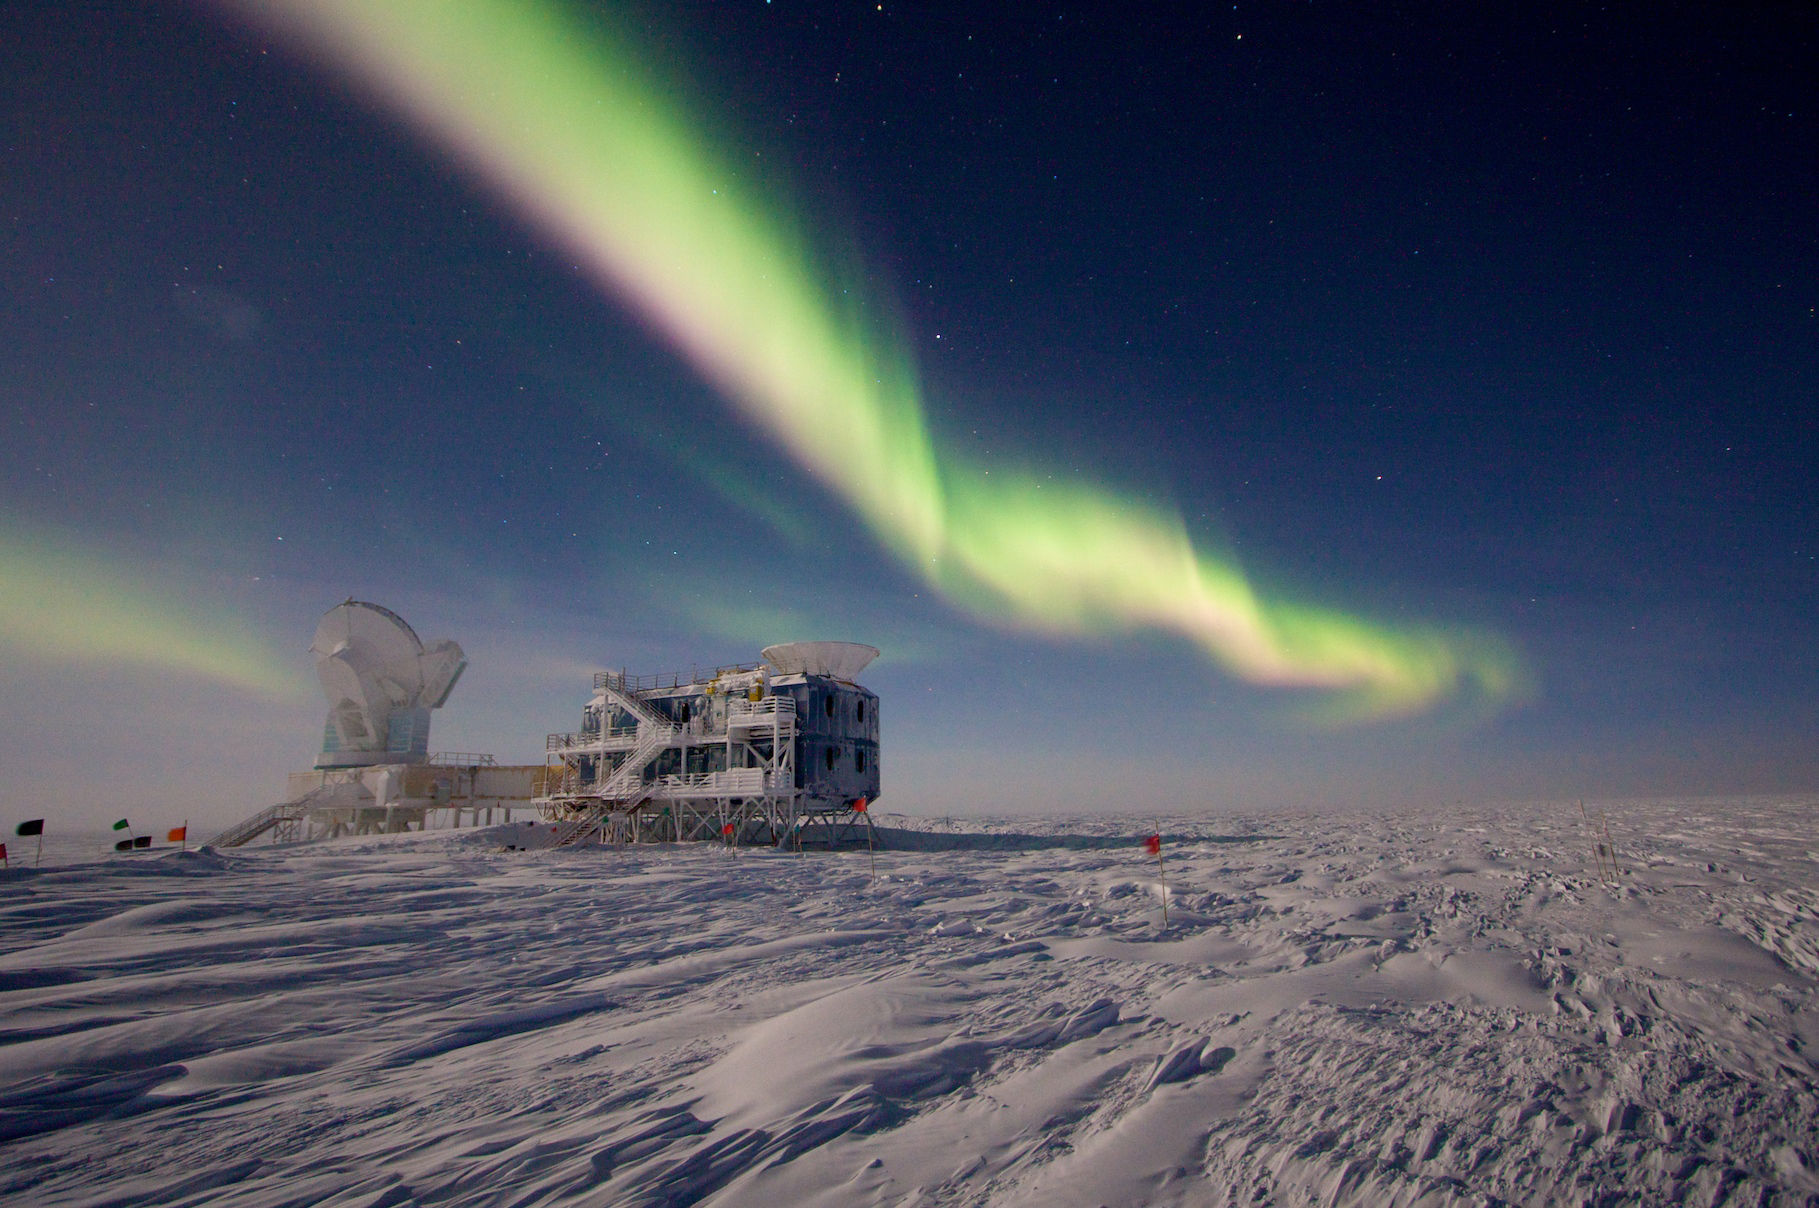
{"points": [[1496, 324]]}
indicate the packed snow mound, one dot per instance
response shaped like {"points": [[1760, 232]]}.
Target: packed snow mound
{"points": [[1356, 1010]]}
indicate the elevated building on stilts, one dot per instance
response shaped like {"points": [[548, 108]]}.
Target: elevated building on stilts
{"points": [[783, 751]]}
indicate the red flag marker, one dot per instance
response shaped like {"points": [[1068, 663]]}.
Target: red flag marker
{"points": [[178, 834], [871, 855], [726, 832], [1153, 845]]}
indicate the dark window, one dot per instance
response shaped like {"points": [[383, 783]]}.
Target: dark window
{"points": [[830, 759], [859, 760], [829, 704], [861, 708], [685, 713]]}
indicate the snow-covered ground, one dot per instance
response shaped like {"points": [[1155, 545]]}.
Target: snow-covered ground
{"points": [[1345, 1009]]}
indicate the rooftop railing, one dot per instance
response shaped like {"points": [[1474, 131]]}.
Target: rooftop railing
{"points": [[620, 681], [462, 759]]}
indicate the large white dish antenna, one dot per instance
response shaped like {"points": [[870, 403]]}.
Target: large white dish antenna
{"points": [[381, 681], [841, 660]]}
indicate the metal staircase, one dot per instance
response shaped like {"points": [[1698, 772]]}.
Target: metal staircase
{"points": [[285, 815], [625, 789], [572, 831], [655, 732], [629, 775]]}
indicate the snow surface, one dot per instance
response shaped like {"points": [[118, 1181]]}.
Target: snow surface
{"points": [[1344, 1009]]}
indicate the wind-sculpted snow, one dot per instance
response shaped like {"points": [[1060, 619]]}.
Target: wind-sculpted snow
{"points": [[1358, 1010]]}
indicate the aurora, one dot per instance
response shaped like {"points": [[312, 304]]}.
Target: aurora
{"points": [[559, 116], [63, 602]]}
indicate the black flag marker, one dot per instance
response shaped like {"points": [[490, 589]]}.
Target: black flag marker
{"points": [[34, 827]]}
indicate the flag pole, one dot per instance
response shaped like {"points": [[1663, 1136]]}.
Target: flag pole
{"points": [[1163, 873], [32, 826], [186, 834], [1597, 852], [1153, 845], [871, 856]]}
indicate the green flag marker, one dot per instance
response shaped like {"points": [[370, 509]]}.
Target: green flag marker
{"points": [[120, 825]]}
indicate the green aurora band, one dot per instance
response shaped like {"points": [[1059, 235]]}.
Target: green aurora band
{"points": [[60, 603], [560, 117]]}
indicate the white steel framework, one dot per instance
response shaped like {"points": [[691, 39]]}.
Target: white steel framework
{"points": [[717, 756]]}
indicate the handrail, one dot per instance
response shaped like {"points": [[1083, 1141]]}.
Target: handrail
{"points": [[593, 816], [564, 742], [736, 779], [653, 736], [624, 682], [577, 827], [462, 759], [246, 830], [739, 707], [778, 712]]}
